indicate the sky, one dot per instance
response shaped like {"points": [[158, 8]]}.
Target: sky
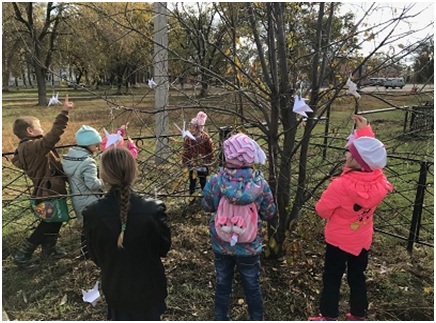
{"points": [[385, 12]]}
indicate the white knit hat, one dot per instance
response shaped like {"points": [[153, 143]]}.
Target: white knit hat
{"points": [[369, 152]]}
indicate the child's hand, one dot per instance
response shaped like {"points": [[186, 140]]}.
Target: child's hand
{"points": [[124, 126], [130, 140], [68, 105], [360, 121]]}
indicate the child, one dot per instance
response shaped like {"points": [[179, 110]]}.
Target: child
{"points": [[197, 153], [116, 140], [81, 169], [126, 236], [35, 155], [348, 205], [240, 183]]}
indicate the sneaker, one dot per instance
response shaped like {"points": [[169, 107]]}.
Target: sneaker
{"points": [[351, 317], [320, 317]]}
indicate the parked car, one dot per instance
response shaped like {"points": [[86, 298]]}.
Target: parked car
{"points": [[394, 82], [374, 81]]}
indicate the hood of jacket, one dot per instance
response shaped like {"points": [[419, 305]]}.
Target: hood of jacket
{"points": [[367, 189], [74, 157], [240, 185]]}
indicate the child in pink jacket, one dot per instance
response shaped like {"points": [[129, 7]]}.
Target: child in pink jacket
{"points": [[348, 205]]}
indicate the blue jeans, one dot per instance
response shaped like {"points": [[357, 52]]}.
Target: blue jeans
{"points": [[249, 271]]}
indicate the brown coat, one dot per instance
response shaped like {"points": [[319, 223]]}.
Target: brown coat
{"points": [[37, 157], [198, 152]]}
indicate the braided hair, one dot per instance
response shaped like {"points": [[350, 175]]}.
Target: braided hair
{"points": [[119, 170]]}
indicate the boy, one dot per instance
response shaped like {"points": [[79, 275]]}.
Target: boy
{"points": [[35, 155]]}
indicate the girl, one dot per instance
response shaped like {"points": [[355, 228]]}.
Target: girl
{"points": [[348, 204], [81, 169], [197, 153], [239, 183], [126, 235]]}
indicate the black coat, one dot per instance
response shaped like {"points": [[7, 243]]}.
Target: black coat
{"points": [[133, 278]]}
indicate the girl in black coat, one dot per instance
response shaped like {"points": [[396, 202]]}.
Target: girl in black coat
{"points": [[127, 235]]}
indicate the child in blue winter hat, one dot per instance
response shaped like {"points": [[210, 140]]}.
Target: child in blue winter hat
{"points": [[81, 169]]}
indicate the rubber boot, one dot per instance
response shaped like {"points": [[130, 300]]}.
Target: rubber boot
{"points": [[49, 248], [24, 254]]}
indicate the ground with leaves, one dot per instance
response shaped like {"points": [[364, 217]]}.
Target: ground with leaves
{"points": [[400, 286]]}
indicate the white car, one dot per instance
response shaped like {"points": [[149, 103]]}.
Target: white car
{"points": [[394, 82]]}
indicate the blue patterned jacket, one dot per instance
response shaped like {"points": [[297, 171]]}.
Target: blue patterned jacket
{"points": [[231, 183]]}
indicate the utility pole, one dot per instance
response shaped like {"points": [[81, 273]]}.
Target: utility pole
{"points": [[160, 63]]}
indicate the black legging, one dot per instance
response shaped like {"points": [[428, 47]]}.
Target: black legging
{"points": [[193, 181], [44, 230]]}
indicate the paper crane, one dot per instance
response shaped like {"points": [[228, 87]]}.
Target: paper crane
{"points": [[352, 88], [112, 139], [300, 106], [92, 295], [151, 83], [185, 132], [54, 100]]}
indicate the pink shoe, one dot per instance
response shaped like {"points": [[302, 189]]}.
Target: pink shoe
{"points": [[351, 317], [320, 317]]}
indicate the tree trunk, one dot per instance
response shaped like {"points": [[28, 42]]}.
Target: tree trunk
{"points": [[40, 81]]}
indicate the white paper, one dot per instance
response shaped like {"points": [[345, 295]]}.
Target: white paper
{"points": [[151, 83], [92, 295], [300, 106], [352, 88], [54, 99], [185, 132], [112, 139]]}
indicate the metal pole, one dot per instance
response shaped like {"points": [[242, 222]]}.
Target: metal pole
{"points": [[160, 64], [417, 208]]}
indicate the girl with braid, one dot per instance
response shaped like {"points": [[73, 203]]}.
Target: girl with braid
{"points": [[127, 235]]}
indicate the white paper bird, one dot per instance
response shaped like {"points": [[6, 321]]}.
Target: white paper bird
{"points": [[151, 83], [352, 88], [112, 139], [92, 295], [54, 100], [300, 106], [185, 132]]}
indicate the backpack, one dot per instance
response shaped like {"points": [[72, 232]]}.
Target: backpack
{"points": [[236, 223]]}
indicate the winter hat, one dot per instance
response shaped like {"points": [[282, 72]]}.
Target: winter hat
{"points": [[369, 152], [200, 119], [87, 135], [240, 150]]}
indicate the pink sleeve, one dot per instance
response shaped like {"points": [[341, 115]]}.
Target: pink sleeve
{"points": [[121, 132], [364, 132], [133, 149], [330, 199]]}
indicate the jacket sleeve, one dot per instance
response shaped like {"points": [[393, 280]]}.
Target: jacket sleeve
{"points": [[267, 207], [165, 231], [90, 177], [51, 138], [330, 199], [365, 132], [133, 149], [211, 195], [209, 149], [186, 157]]}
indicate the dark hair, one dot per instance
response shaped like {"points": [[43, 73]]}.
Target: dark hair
{"points": [[119, 170], [21, 124]]}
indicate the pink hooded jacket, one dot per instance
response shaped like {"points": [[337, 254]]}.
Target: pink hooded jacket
{"points": [[349, 203]]}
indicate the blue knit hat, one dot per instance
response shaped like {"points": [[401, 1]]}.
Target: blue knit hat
{"points": [[87, 135]]}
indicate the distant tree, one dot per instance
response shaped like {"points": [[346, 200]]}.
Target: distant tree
{"points": [[424, 63], [38, 25]]}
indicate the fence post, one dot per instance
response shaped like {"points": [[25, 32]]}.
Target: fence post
{"points": [[417, 207], [224, 133], [406, 118]]}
